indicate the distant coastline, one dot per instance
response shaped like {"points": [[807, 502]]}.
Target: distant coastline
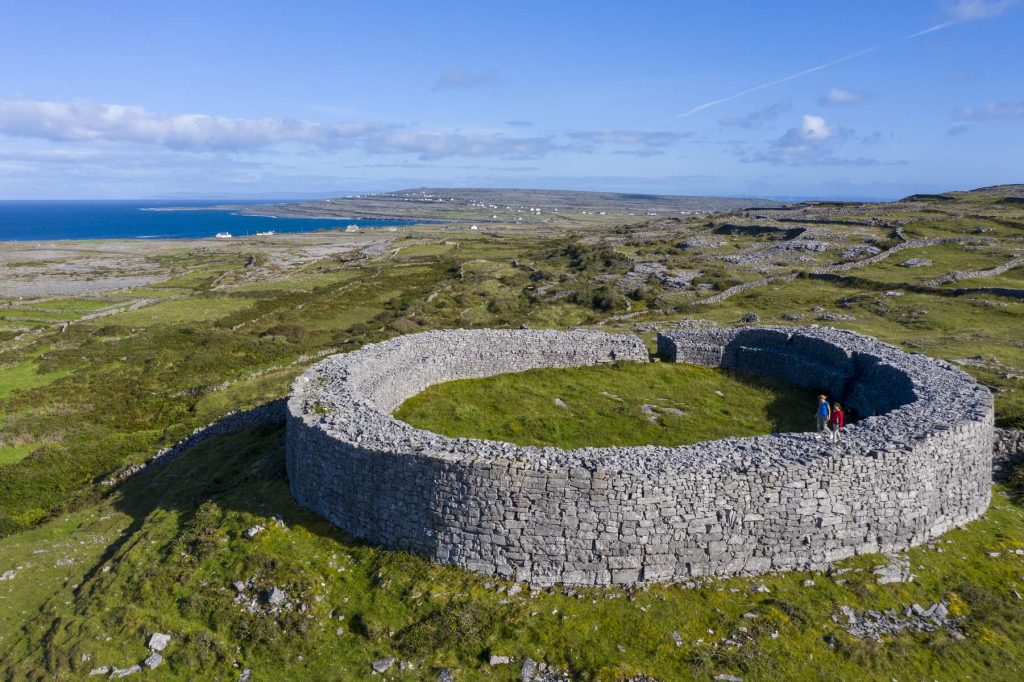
{"points": [[85, 220], [169, 209], [256, 211]]}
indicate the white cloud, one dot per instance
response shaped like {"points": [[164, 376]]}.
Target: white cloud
{"points": [[814, 129], [758, 117], [461, 79], [437, 145], [117, 127], [812, 143], [841, 96], [974, 10], [89, 121], [638, 142], [993, 111], [874, 138]]}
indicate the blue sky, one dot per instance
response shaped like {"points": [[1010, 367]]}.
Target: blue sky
{"points": [[259, 99]]}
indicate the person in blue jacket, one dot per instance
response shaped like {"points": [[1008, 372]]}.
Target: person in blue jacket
{"points": [[824, 413]]}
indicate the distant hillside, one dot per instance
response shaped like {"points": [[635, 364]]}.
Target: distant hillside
{"points": [[1011, 192], [503, 205], [1016, 191]]}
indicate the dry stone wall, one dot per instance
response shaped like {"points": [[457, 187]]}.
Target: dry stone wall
{"points": [[917, 464], [1007, 452]]}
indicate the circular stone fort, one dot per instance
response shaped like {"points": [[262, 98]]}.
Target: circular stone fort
{"points": [[916, 464]]}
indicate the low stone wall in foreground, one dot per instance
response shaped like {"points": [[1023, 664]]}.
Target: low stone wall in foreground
{"points": [[917, 464]]}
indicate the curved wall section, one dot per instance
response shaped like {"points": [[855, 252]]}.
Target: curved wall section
{"points": [[917, 465]]}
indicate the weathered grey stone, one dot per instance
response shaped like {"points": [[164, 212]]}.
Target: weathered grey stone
{"points": [[276, 596], [902, 475], [158, 641], [1007, 451], [254, 531], [383, 664], [153, 660], [897, 570]]}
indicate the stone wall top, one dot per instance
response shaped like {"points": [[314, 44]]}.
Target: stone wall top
{"points": [[905, 396]]}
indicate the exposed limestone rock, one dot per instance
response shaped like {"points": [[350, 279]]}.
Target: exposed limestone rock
{"points": [[159, 641]]}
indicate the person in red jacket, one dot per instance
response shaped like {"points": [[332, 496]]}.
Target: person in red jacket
{"points": [[837, 420]]}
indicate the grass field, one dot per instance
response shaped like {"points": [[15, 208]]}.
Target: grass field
{"points": [[98, 568], [9, 454], [161, 554], [623, 404], [24, 376]]}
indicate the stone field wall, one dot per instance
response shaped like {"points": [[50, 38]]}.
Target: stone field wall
{"points": [[917, 464]]}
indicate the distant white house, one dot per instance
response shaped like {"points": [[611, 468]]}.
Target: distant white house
{"points": [[223, 235], [352, 228], [473, 227]]}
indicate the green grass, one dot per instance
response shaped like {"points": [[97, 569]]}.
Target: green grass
{"points": [[945, 259], [25, 375], [78, 305], [127, 384], [97, 570], [13, 453], [37, 315], [429, 249], [1011, 279], [605, 406], [303, 281], [162, 552], [193, 309]]}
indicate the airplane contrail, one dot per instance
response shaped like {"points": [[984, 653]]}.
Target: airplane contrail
{"points": [[840, 60]]}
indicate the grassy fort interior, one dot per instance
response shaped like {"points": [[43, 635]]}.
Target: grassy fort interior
{"points": [[622, 404]]}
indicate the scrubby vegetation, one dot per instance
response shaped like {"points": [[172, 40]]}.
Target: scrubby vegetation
{"points": [[93, 384]]}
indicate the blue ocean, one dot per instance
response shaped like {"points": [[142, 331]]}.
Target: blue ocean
{"points": [[49, 220]]}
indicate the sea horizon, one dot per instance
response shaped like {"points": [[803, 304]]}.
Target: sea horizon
{"points": [[28, 220]]}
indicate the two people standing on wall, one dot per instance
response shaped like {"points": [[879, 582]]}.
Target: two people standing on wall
{"points": [[830, 418]]}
